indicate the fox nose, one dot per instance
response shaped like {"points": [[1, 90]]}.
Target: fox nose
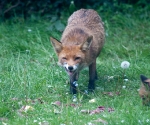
{"points": [[70, 68]]}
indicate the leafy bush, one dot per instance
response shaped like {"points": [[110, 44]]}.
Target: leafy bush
{"points": [[29, 8]]}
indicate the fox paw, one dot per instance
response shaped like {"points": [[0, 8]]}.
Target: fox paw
{"points": [[91, 85]]}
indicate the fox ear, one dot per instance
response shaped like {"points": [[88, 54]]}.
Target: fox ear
{"points": [[143, 78], [56, 44], [87, 43]]}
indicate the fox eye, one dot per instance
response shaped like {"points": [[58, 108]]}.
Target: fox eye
{"points": [[64, 58], [77, 58]]}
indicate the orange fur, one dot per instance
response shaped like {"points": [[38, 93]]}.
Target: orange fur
{"points": [[80, 44], [144, 91]]}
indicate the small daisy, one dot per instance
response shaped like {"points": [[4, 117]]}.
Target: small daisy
{"points": [[92, 100], [123, 87], [29, 30], [49, 86], [126, 80], [35, 121], [122, 121], [74, 98]]}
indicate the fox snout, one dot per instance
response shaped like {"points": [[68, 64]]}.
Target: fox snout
{"points": [[71, 69]]}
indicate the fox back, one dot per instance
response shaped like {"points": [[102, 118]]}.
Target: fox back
{"points": [[81, 25], [81, 43], [144, 91]]}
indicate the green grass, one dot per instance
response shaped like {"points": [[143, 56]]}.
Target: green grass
{"points": [[29, 70]]}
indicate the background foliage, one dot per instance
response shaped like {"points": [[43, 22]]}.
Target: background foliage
{"points": [[47, 8]]}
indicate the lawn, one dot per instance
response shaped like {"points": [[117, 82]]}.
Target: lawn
{"points": [[34, 90]]}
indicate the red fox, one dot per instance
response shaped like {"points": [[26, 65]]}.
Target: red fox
{"points": [[144, 91], [80, 45]]}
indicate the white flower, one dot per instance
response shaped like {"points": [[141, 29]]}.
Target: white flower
{"points": [[122, 121], [92, 100], [126, 80], [110, 77], [27, 108], [29, 30], [125, 64], [49, 86], [35, 121], [123, 87], [74, 100], [27, 51], [105, 116], [147, 120], [89, 123]]}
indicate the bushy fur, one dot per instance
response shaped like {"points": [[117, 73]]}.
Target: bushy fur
{"points": [[80, 45], [144, 91]]}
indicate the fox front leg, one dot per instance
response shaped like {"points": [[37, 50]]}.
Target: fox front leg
{"points": [[73, 83], [92, 76]]}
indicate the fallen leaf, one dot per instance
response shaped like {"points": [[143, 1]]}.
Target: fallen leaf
{"points": [[14, 99], [56, 103], [40, 100], [92, 100], [44, 123], [101, 120], [97, 110], [28, 100], [3, 119], [85, 111], [26, 108], [90, 123], [102, 108], [111, 94], [110, 110], [117, 93], [73, 105], [56, 111]]}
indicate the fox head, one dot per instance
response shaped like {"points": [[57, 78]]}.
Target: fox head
{"points": [[71, 57], [144, 91]]}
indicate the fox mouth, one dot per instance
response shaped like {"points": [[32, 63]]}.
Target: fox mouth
{"points": [[70, 69], [70, 72]]}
